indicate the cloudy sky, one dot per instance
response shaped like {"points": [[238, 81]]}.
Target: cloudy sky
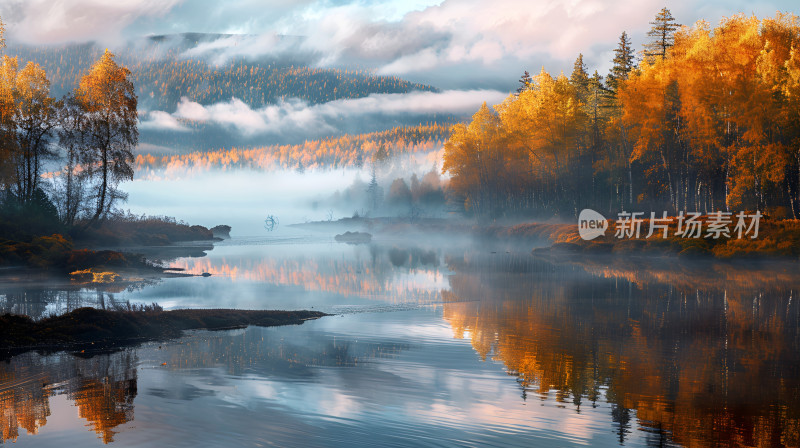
{"points": [[451, 44], [472, 50]]}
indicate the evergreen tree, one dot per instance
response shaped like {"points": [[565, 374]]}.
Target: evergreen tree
{"points": [[525, 82], [2, 34], [662, 36], [580, 79], [595, 102], [374, 192], [623, 63]]}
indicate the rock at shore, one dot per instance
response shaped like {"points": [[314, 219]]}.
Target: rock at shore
{"points": [[354, 238], [221, 231]]}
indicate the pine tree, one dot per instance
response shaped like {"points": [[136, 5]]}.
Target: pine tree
{"points": [[374, 192], [525, 82], [2, 34], [623, 63], [662, 36], [580, 79]]}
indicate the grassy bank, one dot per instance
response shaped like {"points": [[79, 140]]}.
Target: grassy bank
{"points": [[96, 328], [56, 255], [776, 239], [66, 250]]}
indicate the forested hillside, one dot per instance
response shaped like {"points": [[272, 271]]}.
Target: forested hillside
{"points": [[163, 72], [335, 152]]}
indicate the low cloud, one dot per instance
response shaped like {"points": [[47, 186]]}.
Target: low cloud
{"points": [[162, 121], [294, 116], [452, 33]]}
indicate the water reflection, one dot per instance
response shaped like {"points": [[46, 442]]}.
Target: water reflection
{"points": [[391, 273], [38, 302], [702, 355], [101, 387], [556, 352]]}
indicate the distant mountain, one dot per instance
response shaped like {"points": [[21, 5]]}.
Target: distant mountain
{"points": [[165, 68]]}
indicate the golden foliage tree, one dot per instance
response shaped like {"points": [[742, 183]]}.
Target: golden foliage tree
{"points": [[108, 98], [711, 122]]}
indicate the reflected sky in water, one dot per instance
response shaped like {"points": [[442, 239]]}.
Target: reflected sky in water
{"points": [[432, 346]]}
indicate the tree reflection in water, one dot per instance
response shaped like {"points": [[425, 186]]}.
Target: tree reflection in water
{"points": [[103, 388], [709, 355]]}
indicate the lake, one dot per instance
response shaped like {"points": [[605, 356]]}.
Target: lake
{"points": [[429, 344]]}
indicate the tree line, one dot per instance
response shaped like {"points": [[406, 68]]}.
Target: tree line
{"points": [[348, 150], [83, 142], [702, 119]]}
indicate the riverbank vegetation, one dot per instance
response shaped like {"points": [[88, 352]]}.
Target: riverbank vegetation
{"points": [[707, 119], [62, 161], [776, 239]]}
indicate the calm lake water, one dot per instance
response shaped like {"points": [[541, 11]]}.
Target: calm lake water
{"points": [[461, 345]]}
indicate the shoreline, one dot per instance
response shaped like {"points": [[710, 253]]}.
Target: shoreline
{"points": [[779, 240], [98, 329]]}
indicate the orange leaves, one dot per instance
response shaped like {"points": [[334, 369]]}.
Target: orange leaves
{"points": [[106, 87], [345, 150], [726, 96]]}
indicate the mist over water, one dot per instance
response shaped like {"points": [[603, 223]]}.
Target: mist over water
{"points": [[242, 199]]}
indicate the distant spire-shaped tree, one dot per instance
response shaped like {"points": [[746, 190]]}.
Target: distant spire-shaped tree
{"points": [[580, 79], [662, 36], [525, 82], [374, 192], [2, 34], [623, 63]]}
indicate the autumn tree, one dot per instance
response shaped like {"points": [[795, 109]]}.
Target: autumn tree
{"points": [[8, 141], [544, 121], [70, 193], [108, 98], [35, 118], [399, 194], [710, 121], [473, 158]]}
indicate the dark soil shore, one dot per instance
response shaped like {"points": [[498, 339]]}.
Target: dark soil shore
{"points": [[91, 328]]}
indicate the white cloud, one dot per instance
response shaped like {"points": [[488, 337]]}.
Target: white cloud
{"points": [[162, 121], [453, 32], [55, 21], [420, 39], [291, 116]]}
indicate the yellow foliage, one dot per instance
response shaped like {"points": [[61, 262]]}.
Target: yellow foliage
{"points": [[90, 276]]}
